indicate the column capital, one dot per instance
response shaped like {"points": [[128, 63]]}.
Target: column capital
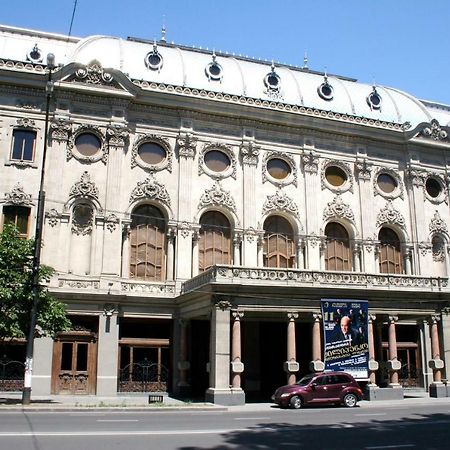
{"points": [[238, 315], [222, 302], [109, 309], [371, 318], [317, 317], [183, 322], [434, 318], [393, 319], [292, 315]]}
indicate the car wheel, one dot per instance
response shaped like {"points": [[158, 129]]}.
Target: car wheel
{"points": [[296, 402], [350, 400]]}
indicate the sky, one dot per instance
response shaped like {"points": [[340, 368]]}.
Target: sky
{"points": [[403, 44]]}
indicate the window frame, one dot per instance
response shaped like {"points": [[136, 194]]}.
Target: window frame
{"points": [[28, 223], [13, 144]]}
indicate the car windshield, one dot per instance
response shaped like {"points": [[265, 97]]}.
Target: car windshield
{"points": [[305, 380]]}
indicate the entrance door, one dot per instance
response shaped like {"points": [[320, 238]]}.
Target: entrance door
{"points": [[74, 365]]}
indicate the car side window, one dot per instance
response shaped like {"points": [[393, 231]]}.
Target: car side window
{"points": [[320, 381], [342, 379]]}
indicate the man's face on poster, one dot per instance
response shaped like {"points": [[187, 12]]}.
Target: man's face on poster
{"points": [[345, 323]]}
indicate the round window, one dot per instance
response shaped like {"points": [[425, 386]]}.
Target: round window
{"points": [[87, 144], [217, 161], [325, 91], [214, 71], [35, 54], [386, 183], [272, 81], [433, 187], [152, 153], [335, 176], [154, 60], [278, 168], [374, 100]]}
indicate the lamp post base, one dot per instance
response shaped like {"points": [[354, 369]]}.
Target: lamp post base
{"points": [[26, 396]]}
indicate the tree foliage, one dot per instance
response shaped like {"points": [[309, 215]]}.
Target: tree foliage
{"points": [[16, 259]]}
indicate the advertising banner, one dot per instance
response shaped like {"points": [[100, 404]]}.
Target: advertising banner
{"points": [[345, 324]]}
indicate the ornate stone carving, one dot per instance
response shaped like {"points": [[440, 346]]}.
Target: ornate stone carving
{"points": [[337, 208], [424, 248], [72, 151], [17, 196], [79, 284], [111, 222], [217, 196], [369, 245], [93, 73], [166, 163], [25, 122], [434, 131], [185, 229], [249, 152], [416, 177], [53, 217], [390, 215], [280, 202], [251, 234], [222, 302], [61, 130], [117, 135], [438, 225], [85, 188], [363, 169], [291, 178], [150, 189], [148, 288], [187, 145], [231, 171], [310, 162], [397, 192]]}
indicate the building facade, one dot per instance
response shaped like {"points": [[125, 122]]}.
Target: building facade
{"points": [[199, 205]]}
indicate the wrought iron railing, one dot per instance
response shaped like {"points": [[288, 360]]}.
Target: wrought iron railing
{"points": [[143, 376], [11, 374]]}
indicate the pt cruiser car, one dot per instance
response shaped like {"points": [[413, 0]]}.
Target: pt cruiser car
{"points": [[320, 389]]}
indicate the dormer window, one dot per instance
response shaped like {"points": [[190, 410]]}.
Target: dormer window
{"points": [[374, 99], [35, 54], [272, 80], [325, 90], [214, 70], [153, 59]]}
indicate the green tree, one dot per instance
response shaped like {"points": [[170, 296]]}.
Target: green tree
{"points": [[16, 258]]}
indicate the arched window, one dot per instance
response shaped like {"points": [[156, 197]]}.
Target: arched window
{"points": [[438, 250], [337, 253], [215, 240], [390, 256], [279, 246], [147, 243]]}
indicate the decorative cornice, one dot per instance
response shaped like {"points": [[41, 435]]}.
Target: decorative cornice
{"points": [[280, 202], [150, 189], [337, 208], [389, 215], [85, 188], [217, 196]]}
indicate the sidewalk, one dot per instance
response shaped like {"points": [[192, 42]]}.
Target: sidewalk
{"points": [[12, 401]]}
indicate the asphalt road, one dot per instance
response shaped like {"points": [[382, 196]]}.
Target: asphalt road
{"points": [[414, 427]]}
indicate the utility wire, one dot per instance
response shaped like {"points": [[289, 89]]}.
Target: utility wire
{"points": [[73, 16]]}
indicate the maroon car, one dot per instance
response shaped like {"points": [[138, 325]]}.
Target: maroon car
{"points": [[320, 389]]}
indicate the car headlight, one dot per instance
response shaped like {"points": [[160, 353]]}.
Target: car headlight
{"points": [[285, 395]]}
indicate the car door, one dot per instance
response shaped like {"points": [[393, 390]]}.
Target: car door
{"points": [[326, 389]]}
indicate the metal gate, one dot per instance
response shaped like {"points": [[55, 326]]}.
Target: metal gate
{"points": [[143, 376], [11, 375]]}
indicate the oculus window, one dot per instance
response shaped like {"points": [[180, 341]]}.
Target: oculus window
{"points": [[278, 168], [217, 161], [335, 176], [87, 144], [152, 153], [386, 183]]}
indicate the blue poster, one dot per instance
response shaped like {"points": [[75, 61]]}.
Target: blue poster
{"points": [[345, 325]]}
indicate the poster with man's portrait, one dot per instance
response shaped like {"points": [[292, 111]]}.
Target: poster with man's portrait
{"points": [[345, 327]]}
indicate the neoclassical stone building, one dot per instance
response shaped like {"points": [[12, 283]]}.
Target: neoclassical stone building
{"points": [[199, 205]]}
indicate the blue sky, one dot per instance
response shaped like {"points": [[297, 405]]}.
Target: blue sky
{"points": [[398, 43]]}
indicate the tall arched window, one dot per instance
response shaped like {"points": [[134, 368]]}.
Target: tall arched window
{"points": [[438, 250], [147, 243], [337, 254], [279, 246], [390, 252], [214, 246]]}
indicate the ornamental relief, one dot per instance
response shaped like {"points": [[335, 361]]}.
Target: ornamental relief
{"points": [[310, 162], [438, 225], [117, 135], [389, 215], [17, 196], [85, 188], [25, 122], [363, 169], [337, 208], [397, 192], [111, 222], [416, 177], [187, 145], [434, 131], [61, 130], [217, 196], [249, 152], [347, 185], [165, 163], [150, 189], [227, 149], [72, 151], [94, 73], [280, 202], [290, 179], [53, 217]]}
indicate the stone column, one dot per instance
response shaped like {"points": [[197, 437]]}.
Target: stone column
{"points": [[408, 259], [300, 254], [183, 363], [219, 390], [394, 364], [195, 239], [126, 249], [108, 351], [357, 258], [291, 365], [170, 253], [316, 365], [261, 250], [445, 329], [237, 367], [437, 389], [42, 366], [237, 239], [373, 364]]}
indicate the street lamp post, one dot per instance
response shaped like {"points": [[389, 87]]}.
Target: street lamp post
{"points": [[26, 393]]}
